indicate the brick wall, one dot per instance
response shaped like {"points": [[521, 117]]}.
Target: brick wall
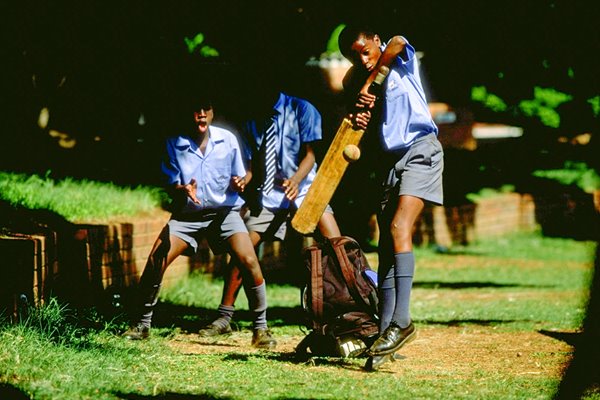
{"points": [[85, 261], [30, 265], [461, 225], [116, 252]]}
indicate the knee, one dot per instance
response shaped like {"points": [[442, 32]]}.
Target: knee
{"points": [[400, 231], [249, 261]]}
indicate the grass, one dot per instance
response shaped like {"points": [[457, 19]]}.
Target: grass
{"points": [[517, 285], [77, 200]]}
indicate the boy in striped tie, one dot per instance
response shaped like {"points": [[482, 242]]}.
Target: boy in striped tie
{"points": [[281, 134]]}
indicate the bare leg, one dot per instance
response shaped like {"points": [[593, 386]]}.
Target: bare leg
{"points": [[233, 280], [165, 250], [233, 277], [328, 226], [245, 255], [408, 210], [396, 282], [396, 240]]}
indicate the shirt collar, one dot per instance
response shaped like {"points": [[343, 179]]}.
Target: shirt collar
{"points": [[216, 135], [279, 106]]}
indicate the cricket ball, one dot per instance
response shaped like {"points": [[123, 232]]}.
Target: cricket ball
{"points": [[351, 153]]}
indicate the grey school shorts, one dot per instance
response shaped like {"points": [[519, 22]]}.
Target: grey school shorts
{"points": [[272, 223], [418, 172], [216, 225]]}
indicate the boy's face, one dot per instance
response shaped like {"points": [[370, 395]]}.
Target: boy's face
{"points": [[366, 52], [203, 118]]}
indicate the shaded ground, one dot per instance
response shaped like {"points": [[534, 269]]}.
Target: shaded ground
{"points": [[459, 351], [469, 351]]}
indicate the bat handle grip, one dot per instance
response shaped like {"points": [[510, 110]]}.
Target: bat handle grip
{"points": [[375, 87]]}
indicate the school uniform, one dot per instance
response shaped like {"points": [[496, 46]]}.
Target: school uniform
{"points": [[409, 134], [217, 216], [409, 137], [296, 122]]}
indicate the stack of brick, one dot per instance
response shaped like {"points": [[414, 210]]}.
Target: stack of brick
{"points": [[30, 269]]}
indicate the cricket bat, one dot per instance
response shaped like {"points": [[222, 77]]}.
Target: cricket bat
{"points": [[342, 151]]}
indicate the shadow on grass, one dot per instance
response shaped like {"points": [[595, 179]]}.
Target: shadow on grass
{"points": [[582, 375], [191, 319], [291, 357], [480, 322], [570, 338], [8, 391], [471, 285], [355, 364], [170, 396]]}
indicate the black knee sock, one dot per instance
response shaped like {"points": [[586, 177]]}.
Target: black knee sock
{"points": [[150, 298], [404, 271], [387, 297], [258, 305], [225, 315]]}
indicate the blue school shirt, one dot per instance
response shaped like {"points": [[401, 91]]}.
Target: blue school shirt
{"points": [[297, 122], [212, 170], [405, 114]]}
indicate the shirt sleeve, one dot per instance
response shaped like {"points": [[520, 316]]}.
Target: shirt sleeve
{"points": [[309, 123], [410, 56], [237, 163], [170, 167]]}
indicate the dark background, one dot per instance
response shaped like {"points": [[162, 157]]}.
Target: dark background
{"points": [[99, 65]]}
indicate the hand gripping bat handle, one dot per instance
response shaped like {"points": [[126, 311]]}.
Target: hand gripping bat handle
{"points": [[375, 87]]}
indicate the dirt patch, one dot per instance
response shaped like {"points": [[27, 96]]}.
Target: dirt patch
{"points": [[460, 351]]}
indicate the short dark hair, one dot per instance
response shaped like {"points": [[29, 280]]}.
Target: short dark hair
{"points": [[349, 35]]}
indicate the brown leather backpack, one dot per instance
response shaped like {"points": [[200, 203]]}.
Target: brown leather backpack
{"points": [[339, 299]]}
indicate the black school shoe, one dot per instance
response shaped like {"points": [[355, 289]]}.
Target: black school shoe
{"points": [[137, 332], [263, 339], [392, 339], [375, 362]]}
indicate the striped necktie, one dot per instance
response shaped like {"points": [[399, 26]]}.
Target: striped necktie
{"points": [[270, 158]]}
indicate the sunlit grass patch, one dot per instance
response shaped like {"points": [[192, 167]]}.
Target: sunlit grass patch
{"points": [[78, 200]]}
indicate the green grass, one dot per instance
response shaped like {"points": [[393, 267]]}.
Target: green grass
{"points": [[522, 283], [77, 200]]}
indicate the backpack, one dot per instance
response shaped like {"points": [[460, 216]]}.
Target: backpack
{"points": [[339, 299]]}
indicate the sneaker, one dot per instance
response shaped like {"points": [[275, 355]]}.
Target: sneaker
{"points": [[215, 328], [137, 332], [263, 339], [392, 339], [351, 346]]}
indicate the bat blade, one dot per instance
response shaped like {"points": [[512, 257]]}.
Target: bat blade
{"points": [[326, 181]]}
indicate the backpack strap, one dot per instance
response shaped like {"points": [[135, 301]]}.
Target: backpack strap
{"points": [[348, 270], [316, 282]]}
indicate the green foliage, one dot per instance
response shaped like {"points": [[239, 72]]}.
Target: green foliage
{"points": [[595, 103], [489, 100], [573, 173], [485, 193], [78, 200], [196, 44], [543, 105], [332, 42]]}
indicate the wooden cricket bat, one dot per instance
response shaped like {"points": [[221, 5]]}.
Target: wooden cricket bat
{"points": [[342, 151]]}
